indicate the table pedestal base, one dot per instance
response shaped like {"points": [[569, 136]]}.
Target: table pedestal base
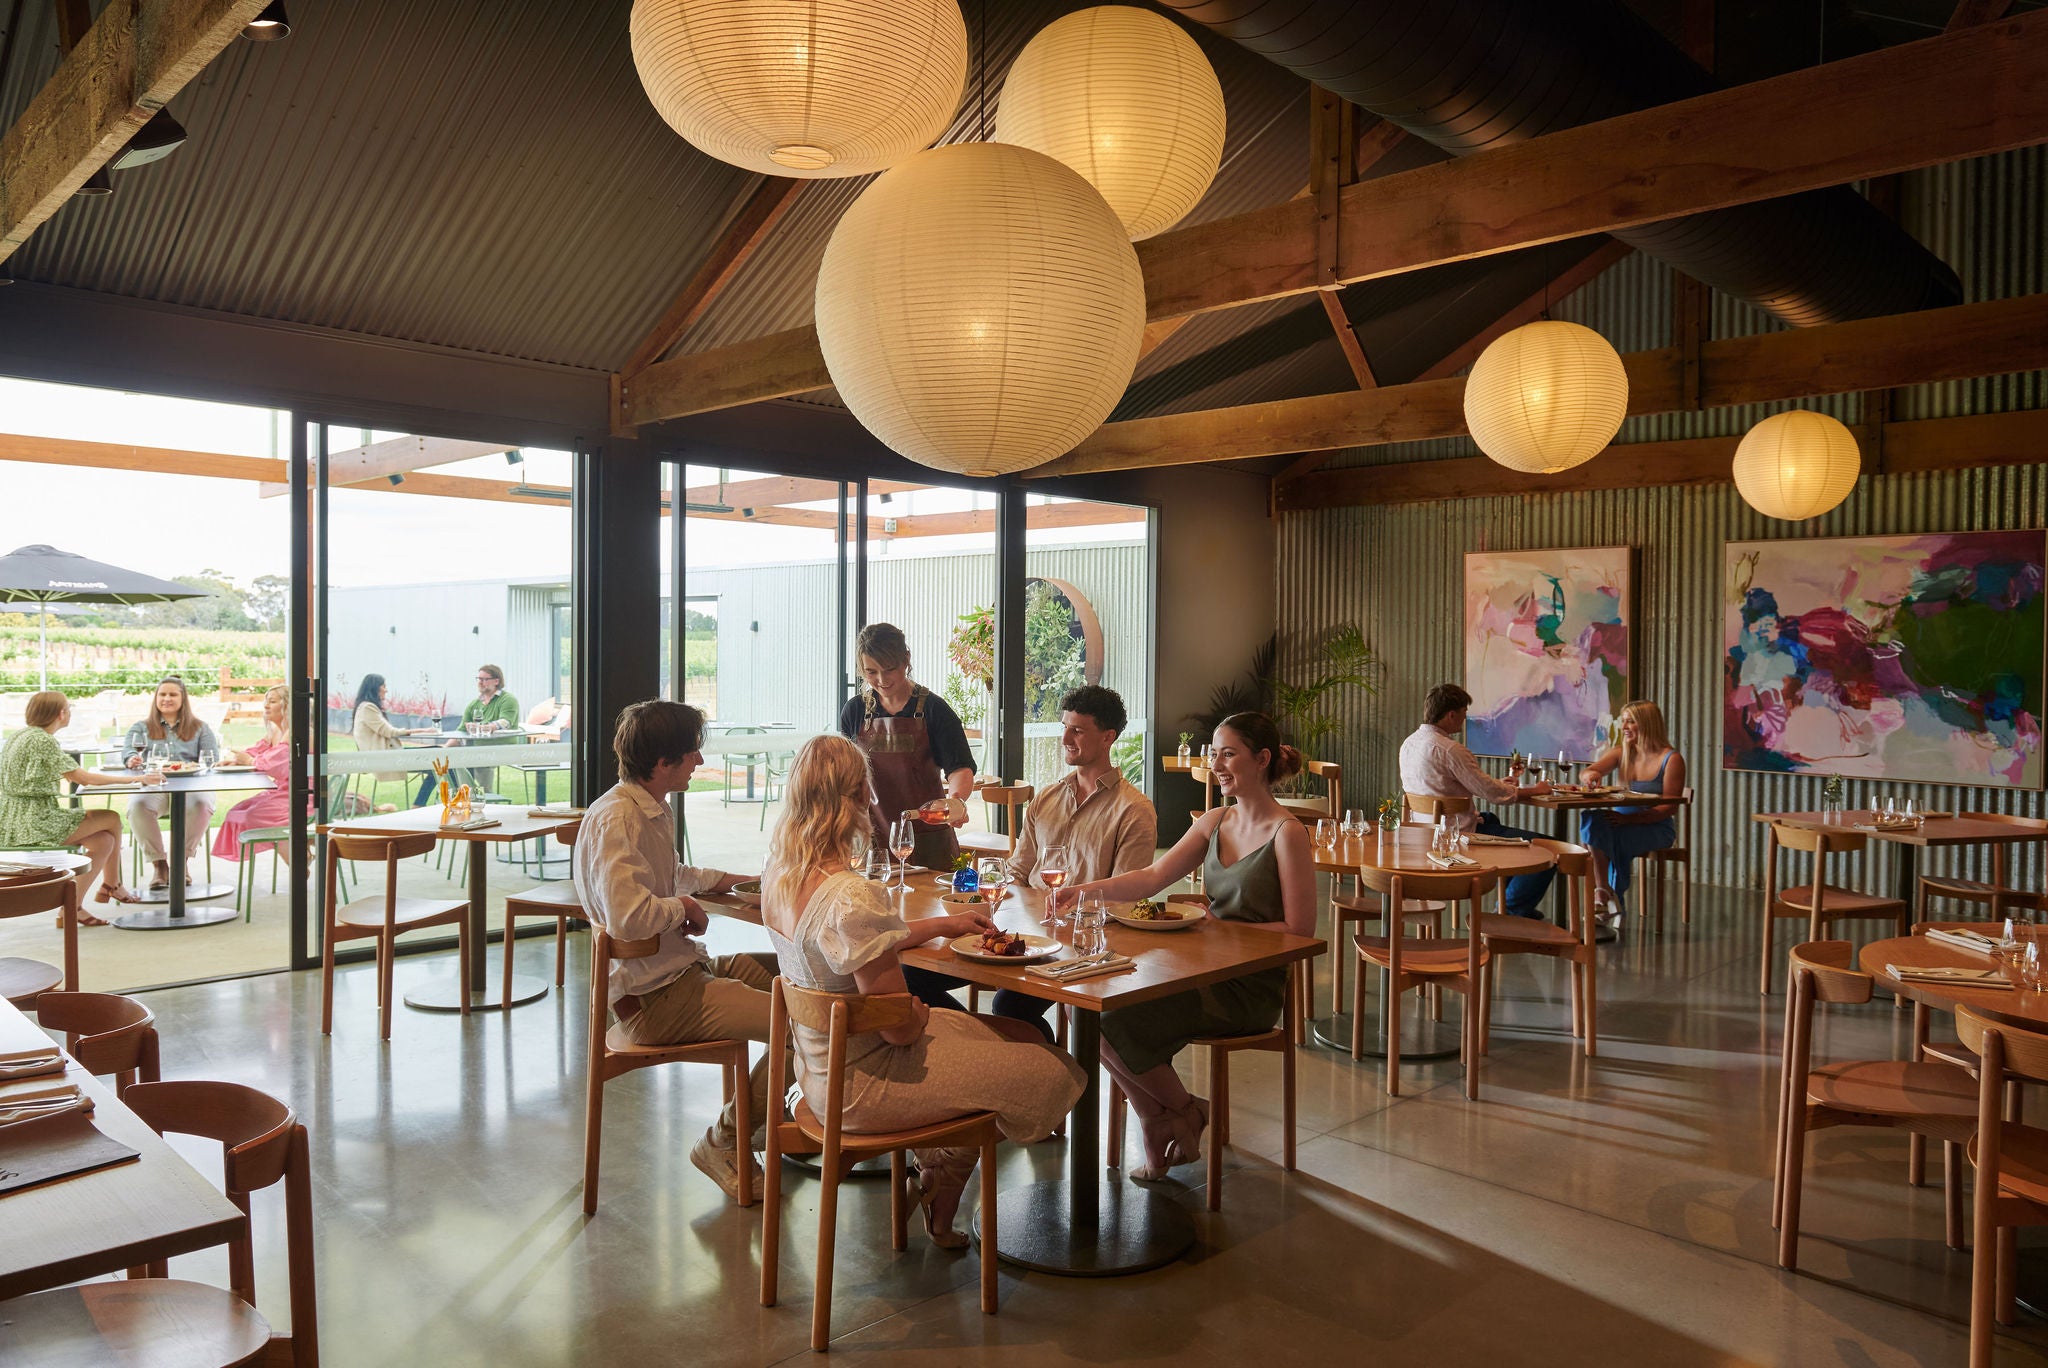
{"points": [[193, 892], [1134, 1230], [1421, 1041], [445, 994], [2030, 1283], [160, 919]]}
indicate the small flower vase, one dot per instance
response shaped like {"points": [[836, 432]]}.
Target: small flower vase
{"points": [[1184, 752]]}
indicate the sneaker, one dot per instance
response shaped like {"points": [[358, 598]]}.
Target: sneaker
{"points": [[721, 1166]]}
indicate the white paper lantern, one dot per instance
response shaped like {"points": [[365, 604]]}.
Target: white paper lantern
{"points": [[1796, 465], [1125, 97], [1546, 396], [807, 88], [980, 309]]}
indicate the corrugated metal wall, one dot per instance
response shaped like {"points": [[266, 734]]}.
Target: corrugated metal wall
{"points": [[1398, 570]]}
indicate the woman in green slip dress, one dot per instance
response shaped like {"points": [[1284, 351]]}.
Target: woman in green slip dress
{"points": [[31, 765]]}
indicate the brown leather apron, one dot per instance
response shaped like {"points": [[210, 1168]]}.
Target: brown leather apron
{"points": [[904, 775]]}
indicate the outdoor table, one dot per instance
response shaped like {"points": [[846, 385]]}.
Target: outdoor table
{"points": [[1081, 1225], [1408, 852], [78, 750], [1936, 831], [431, 736], [514, 824], [123, 1216], [178, 914]]}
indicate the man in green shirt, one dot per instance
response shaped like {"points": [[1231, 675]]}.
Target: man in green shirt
{"points": [[492, 710]]}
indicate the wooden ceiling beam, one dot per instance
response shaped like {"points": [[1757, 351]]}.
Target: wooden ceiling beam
{"points": [[1036, 517], [1942, 99], [1955, 343], [394, 456], [1930, 444], [126, 67]]}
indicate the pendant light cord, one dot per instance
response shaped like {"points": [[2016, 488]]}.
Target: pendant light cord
{"points": [[982, 79]]}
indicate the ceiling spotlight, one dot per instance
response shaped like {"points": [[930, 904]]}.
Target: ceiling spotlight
{"points": [[746, 512], [268, 26], [888, 498], [396, 480], [154, 141], [98, 183], [515, 457]]}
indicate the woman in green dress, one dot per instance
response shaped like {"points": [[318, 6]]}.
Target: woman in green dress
{"points": [[31, 764], [1258, 867]]}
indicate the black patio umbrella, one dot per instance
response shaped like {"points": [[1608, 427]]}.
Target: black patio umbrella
{"points": [[44, 575]]}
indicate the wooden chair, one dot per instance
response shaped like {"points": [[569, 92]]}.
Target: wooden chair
{"points": [[110, 1035], [161, 1320], [613, 1052], [1425, 808], [1926, 1098], [2011, 1160], [1656, 862], [1818, 903], [558, 900], [1281, 1040], [383, 919], [1360, 906], [23, 980], [1331, 805], [1012, 799], [244, 697], [1410, 963], [1994, 895], [1505, 935], [841, 1015]]}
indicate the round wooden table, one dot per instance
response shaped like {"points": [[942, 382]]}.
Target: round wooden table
{"points": [[1408, 852]]}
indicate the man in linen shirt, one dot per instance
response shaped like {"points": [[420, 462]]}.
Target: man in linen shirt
{"points": [[634, 887], [1435, 763]]}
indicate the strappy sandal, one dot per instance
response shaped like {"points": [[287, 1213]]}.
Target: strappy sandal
{"points": [[922, 1186]]}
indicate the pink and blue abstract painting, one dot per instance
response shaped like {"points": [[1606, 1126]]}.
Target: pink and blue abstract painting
{"points": [[1547, 658], [1912, 658]]}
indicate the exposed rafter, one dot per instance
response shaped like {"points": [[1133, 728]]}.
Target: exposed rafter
{"points": [[757, 216], [394, 456]]}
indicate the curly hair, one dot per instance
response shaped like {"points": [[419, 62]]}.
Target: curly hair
{"points": [[824, 825]]}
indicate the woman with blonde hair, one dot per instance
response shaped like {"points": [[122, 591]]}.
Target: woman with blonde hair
{"points": [[271, 756], [1645, 761], [835, 932], [31, 764], [171, 723]]}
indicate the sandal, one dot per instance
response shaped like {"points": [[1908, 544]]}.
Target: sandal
{"points": [[926, 1186], [114, 893], [1186, 1145]]}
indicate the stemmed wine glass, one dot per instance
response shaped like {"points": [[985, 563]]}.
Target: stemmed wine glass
{"points": [[1052, 871], [902, 841], [991, 875]]}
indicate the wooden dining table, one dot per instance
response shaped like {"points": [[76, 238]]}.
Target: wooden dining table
{"points": [[1081, 1225], [1935, 832], [1408, 852], [515, 823], [147, 1209]]}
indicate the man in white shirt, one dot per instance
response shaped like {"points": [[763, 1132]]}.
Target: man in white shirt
{"points": [[634, 887], [1435, 763]]}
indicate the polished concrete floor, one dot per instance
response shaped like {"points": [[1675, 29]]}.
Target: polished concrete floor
{"points": [[1613, 1211]]}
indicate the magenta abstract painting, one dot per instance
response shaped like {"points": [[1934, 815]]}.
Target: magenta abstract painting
{"points": [[1915, 658], [1547, 657]]}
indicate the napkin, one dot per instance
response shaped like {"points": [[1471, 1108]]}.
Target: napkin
{"points": [[1452, 861], [554, 812], [42, 1102], [473, 824], [1965, 940], [1961, 978], [1498, 840], [1067, 971], [50, 1063], [28, 1056]]}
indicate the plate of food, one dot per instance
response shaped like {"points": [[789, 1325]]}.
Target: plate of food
{"points": [[1004, 947], [175, 768], [748, 891], [1159, 916], [966, 900]]}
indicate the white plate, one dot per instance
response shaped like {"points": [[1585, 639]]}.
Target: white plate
{"points": [[748, 891], [234, 769], [964, 901], [1189, 916], [1035, 948]]}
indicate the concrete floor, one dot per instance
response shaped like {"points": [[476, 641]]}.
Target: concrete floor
{"points": [[1605, 1212]]}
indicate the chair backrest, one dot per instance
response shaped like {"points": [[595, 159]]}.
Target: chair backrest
{"points": [[2024, 1053], [1425, 807], [240, 693], [1834, 978], [262, 1142], [110, 1034], [1818, 842], [839, 1015], [1685, 819], [603, 950], [58, 893], [568, 834], [1574, 864], [390, 849], [1332, 775], [1397, 886]]}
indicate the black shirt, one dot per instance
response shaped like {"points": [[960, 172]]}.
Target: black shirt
{"points": [[942, 729]]}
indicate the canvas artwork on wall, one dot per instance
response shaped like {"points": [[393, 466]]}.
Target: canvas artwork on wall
{"points": [[1914, 658], [1547, 659]]}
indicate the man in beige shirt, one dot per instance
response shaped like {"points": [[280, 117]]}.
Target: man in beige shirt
{"points": [[634, 887]]}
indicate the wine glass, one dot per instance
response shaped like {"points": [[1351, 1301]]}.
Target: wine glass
{"points": [[992, 875], [1326, 833], [1053, 868], [902, 841], [207, 760]]}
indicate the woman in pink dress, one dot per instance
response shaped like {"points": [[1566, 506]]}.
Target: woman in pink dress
{"points": [[272, 756]]}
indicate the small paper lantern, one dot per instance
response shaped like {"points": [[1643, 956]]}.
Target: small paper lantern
{"points": [[1546, 396], [980, 308], [813, 89], [1125, 97], [1796, 465]]}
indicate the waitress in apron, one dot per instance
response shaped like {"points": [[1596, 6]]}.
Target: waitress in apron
{"points": [[917, 751]]}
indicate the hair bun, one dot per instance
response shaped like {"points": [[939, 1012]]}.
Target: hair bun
{"points": [[1287, 764]]}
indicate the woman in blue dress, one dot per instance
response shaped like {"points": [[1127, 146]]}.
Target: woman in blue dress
{"points": [[1647, 764]]}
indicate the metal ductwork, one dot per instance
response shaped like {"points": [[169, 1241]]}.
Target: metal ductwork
{"points": [[1470, 74]]}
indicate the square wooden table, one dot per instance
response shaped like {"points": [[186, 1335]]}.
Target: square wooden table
{"points": [[1936, 831], [109, 1219], [1082, 1225], [515, 823]]}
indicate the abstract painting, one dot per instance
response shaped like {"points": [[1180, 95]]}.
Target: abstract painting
{"points": [[1914, 658], [1547, 657]]}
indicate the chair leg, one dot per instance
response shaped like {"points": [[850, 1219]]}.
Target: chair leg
{"points": [[327, 981], [742, 1123], [593, 1150], [1484, 1000], [1764, 972], [464, 986], [1287, 1107], [1952, 1193], [828, 1222], [2008, 1273], [1589, 974], [1792, 1183], [988, 1226], [1685, 895], [561, 951], [511, 924], [1393, 1016], [1357, 1011], [1475, 1033], [1337, 920], [1219, 1122], [385, 956], [899, 1208], [1117, 1105]]}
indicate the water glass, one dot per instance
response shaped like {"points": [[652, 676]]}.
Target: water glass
{"points": [[2031, 966], [159, 756], [2009, 941], [207, 760], [1091, 936], [1354, 822], [1326, 833]]}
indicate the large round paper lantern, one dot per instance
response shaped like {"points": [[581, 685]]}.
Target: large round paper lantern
{"points": [[1546, 396], [805, 88], [1126, 98], [1796, 465], [980, 309]]}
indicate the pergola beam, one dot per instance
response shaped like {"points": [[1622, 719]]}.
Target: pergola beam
{"points": [[127, 66], [393, 456]]}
